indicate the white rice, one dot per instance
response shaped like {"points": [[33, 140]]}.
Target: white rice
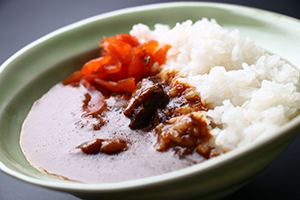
{"points": [[250, 93]]}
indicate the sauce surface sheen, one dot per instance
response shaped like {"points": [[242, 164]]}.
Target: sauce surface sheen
{"points": [[56, 126]]}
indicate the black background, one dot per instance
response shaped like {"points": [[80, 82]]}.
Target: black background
{"points": [[23, 21]]}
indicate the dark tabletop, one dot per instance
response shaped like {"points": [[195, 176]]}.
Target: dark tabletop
{"points": [[23, 21]]}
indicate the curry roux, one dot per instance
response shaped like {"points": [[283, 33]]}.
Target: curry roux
{"points": [[115, 144], [119, 118]]}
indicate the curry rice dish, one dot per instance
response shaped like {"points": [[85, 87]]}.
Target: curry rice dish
{"points": [[159, 100]]}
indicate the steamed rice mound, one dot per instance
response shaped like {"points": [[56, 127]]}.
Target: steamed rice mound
{"points": [[249, 92]]}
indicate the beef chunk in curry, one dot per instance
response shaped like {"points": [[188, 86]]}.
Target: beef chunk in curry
{"points": [[148, 96]]}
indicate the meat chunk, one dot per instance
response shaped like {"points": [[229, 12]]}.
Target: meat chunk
{"points": [[187, 131], [106, 146], [147, 97]]}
